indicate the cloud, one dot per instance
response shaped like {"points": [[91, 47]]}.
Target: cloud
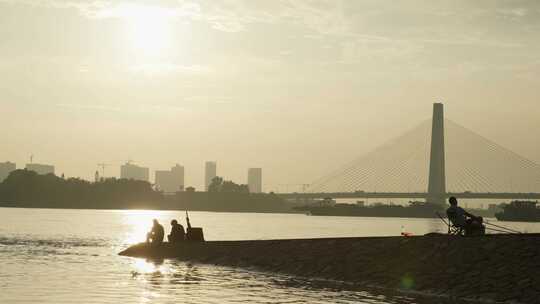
{"points": [[88, 8], [355, 27], [89, 107], [326, 17], [138, 109], [517, 12], [167, 68]]}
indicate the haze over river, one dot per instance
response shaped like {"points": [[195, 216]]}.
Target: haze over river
{"points": [[70, 256]]}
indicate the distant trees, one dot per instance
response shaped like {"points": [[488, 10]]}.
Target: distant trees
{"points": [[219, 185], [215, 184], [29, 189], [25, 188]]}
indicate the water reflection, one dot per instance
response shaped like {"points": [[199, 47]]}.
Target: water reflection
{"points": [[186, 273], [210, 283], [144, 266]]}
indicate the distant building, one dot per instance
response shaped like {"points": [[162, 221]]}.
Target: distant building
{"points": [[40, 168], [255, 180], [178, 175], [5, 170], [170, 180], [131, 171], [210, 171]]}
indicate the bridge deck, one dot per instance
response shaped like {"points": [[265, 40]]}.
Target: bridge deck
{"points": [[409, 195]]}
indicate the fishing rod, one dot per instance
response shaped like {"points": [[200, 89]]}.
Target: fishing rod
{"points": [[442, 218], [502, 231], [502, 227], [506, 230], [187, 220]]}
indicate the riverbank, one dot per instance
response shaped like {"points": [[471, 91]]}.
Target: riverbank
{"points": [[502, 268], [245, 203]]}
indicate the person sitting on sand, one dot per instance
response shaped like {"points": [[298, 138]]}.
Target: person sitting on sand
{"points": [[177, 232], [464, 220], [155, 236]]}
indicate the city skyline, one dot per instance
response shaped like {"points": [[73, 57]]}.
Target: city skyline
{"points": [[128, 170]]}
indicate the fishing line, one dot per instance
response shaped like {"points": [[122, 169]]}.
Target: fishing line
{"points": [[502, 231], [502, 227]]}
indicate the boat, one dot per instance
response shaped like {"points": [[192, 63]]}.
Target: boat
{"points": [[519, 211]]}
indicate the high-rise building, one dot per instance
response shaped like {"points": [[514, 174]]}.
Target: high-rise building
{"points": [[255, 180], [170, 180], [131, 171], [178, 175], [5, 170], [210, 169], [40, 168]]}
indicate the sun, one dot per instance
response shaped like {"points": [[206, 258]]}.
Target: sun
{"points": [[148, 29]]}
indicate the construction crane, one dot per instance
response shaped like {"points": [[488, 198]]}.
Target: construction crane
{"points": [[103, 165]]}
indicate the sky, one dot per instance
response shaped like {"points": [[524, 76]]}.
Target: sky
{"points": [[298, 88]]}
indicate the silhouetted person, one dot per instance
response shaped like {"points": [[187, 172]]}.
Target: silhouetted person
{"points": [[464, 220], [177, 232], [155, 236]]}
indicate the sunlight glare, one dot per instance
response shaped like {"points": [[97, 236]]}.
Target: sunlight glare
{"points": [[148, 28], [143, 266], [140, 222]]}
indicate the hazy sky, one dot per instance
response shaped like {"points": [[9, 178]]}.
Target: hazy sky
{"points": [[295, 87]]}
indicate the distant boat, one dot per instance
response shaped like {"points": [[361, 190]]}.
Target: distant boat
{"points": [[519, 211]]}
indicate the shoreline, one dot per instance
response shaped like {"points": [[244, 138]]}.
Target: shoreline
{"points": [[217, 211], [143, 209], [494, 268]]}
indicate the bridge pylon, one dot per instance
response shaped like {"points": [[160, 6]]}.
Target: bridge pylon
{"points": [[437, 177]]}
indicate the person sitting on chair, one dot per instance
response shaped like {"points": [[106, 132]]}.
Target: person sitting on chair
{"points": [[464, 220], [177, 232], [155, 236]]}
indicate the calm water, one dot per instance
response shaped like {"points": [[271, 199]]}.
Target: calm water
{"points": [[68, 256]]}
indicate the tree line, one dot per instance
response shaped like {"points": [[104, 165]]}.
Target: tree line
{"points": [[26, 188]]}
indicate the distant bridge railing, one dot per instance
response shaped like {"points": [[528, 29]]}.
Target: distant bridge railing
{"points": [[409, 195]]}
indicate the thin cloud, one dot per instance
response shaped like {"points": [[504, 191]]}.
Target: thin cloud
{"points": [[141, 108], [89, 107], [167, 68]]}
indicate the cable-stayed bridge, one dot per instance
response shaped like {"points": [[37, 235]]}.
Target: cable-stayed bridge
{"points": [[437, 159]]}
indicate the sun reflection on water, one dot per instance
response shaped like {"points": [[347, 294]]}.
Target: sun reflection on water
{"points": [[142, 266]]}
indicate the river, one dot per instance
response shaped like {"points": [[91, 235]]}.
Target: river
{"points": [[69, 256]]}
